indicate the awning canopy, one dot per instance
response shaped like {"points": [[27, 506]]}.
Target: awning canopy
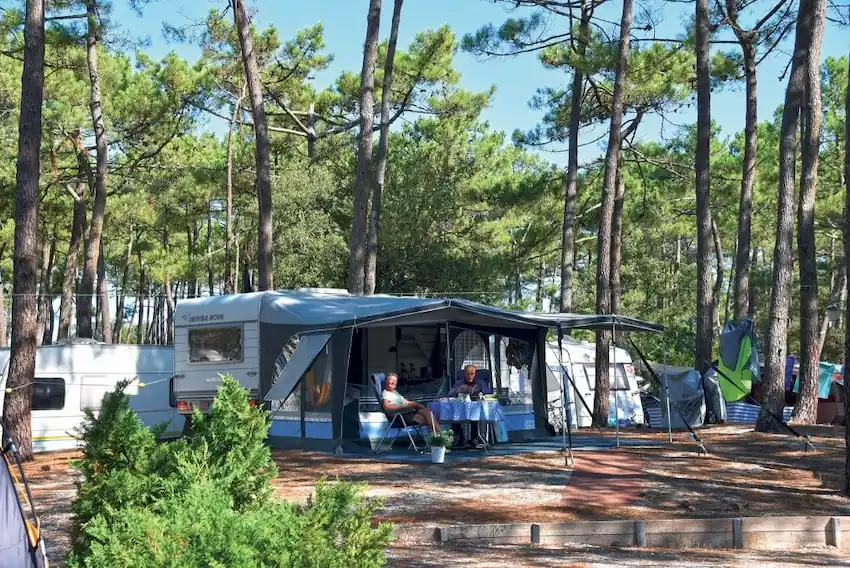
{"points": [[308, 349]]}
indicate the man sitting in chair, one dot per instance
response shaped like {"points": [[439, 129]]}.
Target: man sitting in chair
{"points": [[393, 402], [473, 387]]}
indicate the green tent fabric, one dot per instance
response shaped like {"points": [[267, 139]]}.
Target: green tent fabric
{"points": [[736, 383]]}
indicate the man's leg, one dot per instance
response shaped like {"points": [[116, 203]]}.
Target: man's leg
{"points": [[457, 428]]}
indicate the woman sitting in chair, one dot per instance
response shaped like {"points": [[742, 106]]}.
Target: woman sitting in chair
{"points": [[392, 402]]}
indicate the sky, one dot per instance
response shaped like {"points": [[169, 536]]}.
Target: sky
{"points": [[516, 79]]}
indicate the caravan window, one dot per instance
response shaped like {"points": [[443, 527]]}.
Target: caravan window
{"points": [[48, 394], [215, 345]]}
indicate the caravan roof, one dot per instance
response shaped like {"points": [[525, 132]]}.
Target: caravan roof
{"points": [[323, 310]]}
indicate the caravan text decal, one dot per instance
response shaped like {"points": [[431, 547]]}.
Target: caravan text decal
{"points": [[202, 318]]}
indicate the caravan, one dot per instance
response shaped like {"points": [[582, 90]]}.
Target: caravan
{"points": [[72, 377], [579, 360]]}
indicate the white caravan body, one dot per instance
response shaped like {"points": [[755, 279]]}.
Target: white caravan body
{"points": [[72, 377], [579, 359]]}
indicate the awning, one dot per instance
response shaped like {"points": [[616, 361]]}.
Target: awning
{"points": [[308, 349]]}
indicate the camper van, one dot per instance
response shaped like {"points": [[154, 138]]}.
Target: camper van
{"points": [[579, 360], [72, 377]]}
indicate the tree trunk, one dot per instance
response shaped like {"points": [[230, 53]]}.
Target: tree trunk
{"points": [[78, 228], [357, 245], [846, 285], [140, 302], [718, 277], [836, 296], [210, 275], [780, 297], [17, 404], [538, 295], [151, 315], [383, 152], [3, 341], [47, 254], [568, 246], [119, 308], [228, 245], [741, 292], [261, 133], [103, 299], [84, 323], [805, 410], [603, 239], [617, 245], [705, 305], [169, 324]]}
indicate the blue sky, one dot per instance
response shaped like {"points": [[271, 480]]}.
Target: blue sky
{"points": [[516, 79]]}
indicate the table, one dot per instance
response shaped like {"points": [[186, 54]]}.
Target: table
{"points": [[485, 412]]}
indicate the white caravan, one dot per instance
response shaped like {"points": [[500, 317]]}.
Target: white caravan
{"points": [[579, 359], [75, 376]]}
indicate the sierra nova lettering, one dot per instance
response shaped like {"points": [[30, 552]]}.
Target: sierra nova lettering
{"points": [[207, 317]]}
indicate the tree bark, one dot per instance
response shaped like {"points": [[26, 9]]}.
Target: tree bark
{"points": [[780, 297], [119, 308], [718, 277], [140, 302], [3, 342], [48, 252], [228, 245], [78, 228], [568, 246], [836, 295], [17, 404], [357, 245], [169, 324], [84, 323], [805, 410], [846, 285], [603, 239], [383, 152], [705, 303], [261, 134], [103, 298], [617, 245], [538, 288], [741, 293]]}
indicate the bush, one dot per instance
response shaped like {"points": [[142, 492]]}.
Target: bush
{"points": [[208, 501]]}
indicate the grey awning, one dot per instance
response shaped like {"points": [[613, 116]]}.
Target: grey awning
{"points": [[308, 349]]}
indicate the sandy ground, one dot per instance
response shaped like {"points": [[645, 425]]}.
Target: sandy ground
{"points": [[744, 474]]}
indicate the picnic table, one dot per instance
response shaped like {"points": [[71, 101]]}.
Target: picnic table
{"points": [[485, 412]]}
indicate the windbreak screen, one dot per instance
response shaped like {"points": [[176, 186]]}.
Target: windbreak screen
{"points": [[308, 349]]}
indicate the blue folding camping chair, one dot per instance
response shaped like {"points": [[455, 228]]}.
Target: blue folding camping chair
{"points": [[398, 422]]}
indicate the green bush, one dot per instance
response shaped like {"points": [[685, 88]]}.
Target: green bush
{"points": [[208, 501]]}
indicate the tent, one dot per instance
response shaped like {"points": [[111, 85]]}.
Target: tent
{"points": [[687, 399], [21, 545], [315, 352]]}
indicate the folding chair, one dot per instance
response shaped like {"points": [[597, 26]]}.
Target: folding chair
{"points": [[398, 422]]}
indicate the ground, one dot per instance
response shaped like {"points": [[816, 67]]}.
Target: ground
{"points": [[745, 474]]}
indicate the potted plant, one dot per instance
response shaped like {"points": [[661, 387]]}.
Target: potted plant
{"points": [[440, 443]]}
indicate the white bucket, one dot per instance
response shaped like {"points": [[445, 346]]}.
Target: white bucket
{"points": [[438, 454]]}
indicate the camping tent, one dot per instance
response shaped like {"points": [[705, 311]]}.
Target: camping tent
{"points": [[316, 351], [687, 401], [21, 545]]}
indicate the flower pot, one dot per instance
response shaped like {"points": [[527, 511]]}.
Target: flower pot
{"points": [[438, 454]]}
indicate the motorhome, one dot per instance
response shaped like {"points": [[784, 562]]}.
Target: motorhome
{"points": [[579, 361], [72, 377], [310, 357]]}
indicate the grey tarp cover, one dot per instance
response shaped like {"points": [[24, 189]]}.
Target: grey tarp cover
{"points": [[14, 543], [685, 386], [713, 395], [308, 349]]}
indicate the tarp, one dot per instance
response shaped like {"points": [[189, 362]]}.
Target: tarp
{"points": [[686, 395], [826, 372], [738, 361], [308, 349]]}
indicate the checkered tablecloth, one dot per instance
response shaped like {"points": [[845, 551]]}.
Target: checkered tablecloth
{"points": [[474, 411]]}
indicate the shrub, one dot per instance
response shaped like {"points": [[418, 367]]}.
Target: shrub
{"points": [[208, 502]]}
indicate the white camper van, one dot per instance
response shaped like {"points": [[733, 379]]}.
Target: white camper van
{"points": [[75, 376], [579, 359]]}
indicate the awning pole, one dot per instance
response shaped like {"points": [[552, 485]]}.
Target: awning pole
{"points": [[616, 402], [667, 393], [566, 428]]}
